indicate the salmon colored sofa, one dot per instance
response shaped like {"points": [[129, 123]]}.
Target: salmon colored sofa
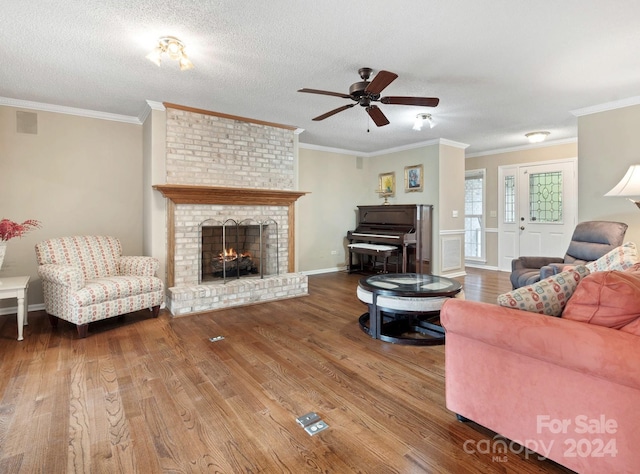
{"points": [[566, 389]]}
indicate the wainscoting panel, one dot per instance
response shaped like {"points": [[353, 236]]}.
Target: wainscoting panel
{"points": [[451, 245]]}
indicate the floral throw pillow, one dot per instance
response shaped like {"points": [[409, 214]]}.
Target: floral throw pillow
{"points": [[620, 258], [548, 296]]}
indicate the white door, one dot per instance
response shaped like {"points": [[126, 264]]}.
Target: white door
{"points": [[538, 210]]}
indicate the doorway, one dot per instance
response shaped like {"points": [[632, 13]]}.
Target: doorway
{"points": [[537, 209]]}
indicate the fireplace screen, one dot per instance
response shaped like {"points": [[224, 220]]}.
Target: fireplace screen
{"points": [[235, 249]]}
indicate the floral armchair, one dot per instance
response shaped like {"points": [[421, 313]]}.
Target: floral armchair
{"points": [[86, 279]]}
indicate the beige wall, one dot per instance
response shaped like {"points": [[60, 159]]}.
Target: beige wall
{"points": [[449, 248], [77, 176], [491, 163], [154, 145], [396, 162], [335, 183], [608, 145]]}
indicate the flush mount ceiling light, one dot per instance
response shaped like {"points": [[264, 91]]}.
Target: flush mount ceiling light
{"points": [[172, 47], [536, 137], [420, 119]]}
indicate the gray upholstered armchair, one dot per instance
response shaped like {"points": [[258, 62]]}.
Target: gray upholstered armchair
{"points": [[590, 241]]}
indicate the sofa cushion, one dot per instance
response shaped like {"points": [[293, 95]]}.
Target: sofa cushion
{"points": [[115, 288], [548, 296], [96, 256], [609, 298], [619, 258]]}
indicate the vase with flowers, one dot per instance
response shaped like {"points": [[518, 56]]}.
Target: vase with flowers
{"points": [[10, 230]]}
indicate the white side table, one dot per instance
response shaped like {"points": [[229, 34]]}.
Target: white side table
{"points": [[16, 287]]}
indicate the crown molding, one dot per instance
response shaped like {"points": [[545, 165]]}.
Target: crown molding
{"points": [[523, 147], [61, 109], [149, 106], [339, 151], [617, 104], [413, 146], [195, 110]]}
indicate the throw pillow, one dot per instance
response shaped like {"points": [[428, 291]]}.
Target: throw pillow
{"points": [[548, 296], [619, 258], [610, 299]]}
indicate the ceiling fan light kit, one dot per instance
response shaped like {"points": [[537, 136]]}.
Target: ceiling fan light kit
{"points": [[420, 120], [365, 92], [172, 47]]}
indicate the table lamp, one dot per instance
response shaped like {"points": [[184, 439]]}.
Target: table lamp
{"points": [[629, 185]]}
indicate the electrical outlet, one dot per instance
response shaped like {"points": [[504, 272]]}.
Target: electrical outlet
{"points": [[308, 419], [334, 252], [454, 213], [316, 427]]}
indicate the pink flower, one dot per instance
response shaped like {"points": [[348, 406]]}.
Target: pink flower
{"points": [[10, 229]]}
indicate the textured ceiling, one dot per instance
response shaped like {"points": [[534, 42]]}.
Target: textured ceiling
{"points": [[501, 68]]}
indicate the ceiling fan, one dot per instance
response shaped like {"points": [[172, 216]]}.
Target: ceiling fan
{"points": [[365, 92]]}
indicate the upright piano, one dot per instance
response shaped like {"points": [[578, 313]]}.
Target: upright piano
{"points": [[408, 227]]}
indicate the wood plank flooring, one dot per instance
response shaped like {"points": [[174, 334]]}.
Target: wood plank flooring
{"points": [[155, 395]]}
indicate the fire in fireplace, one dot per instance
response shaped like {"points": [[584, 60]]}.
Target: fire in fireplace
{"points": [[235, 249], [230, 263]]}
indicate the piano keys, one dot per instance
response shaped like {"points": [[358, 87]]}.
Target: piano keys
{"points": [[406, 226]]}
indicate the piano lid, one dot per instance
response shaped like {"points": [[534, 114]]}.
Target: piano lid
{"points": [[388, 215]]}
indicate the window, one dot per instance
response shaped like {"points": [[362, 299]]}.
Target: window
{"points": [[510, 199], [473, 215]]}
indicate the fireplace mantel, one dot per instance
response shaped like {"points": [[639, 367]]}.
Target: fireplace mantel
{"points": [[193, 194], [190, 194]]}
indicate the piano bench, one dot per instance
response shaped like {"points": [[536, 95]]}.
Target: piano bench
{"points": [[375, 251]]}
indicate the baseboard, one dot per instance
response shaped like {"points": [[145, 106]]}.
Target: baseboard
{"points": [[481, 266], [454, 274], [325, 270], [14, 309]]}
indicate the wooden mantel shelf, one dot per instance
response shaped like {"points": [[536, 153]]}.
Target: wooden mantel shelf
{"points": [[193, 194], [190, 194]]}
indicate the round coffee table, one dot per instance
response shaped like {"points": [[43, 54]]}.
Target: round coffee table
{"points": [[404, 308]]}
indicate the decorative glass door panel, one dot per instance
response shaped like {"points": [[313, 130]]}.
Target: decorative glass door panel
{"points": [[545, 197], [537, 210]]}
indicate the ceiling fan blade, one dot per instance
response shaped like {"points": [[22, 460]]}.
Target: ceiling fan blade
{"points": [[377, 116], [382, 80], [334, 111], [316, 91], [422, 101]]}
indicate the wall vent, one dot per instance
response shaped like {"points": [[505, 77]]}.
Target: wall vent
{"points": [[27, 122]]}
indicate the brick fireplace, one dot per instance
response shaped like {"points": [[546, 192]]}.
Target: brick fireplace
{"points": [[219, 168]]}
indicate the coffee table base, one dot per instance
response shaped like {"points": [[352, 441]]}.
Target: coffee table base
{"points": [[407, 329]]}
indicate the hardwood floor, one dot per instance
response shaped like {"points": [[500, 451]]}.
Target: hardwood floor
{"points": [[155, 395]]}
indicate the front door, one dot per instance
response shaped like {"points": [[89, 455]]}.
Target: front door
{"points": [[537, 210]]}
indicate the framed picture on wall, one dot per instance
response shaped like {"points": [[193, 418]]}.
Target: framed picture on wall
{"points": [[387, 184], [413, 178]]}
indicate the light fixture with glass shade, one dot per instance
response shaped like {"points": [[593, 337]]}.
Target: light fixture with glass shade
{"points": [[629, 185], [536, 137], [172, 47], [420, 119]]}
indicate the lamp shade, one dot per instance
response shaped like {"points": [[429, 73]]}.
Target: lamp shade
{"points": [[629, 185]]}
